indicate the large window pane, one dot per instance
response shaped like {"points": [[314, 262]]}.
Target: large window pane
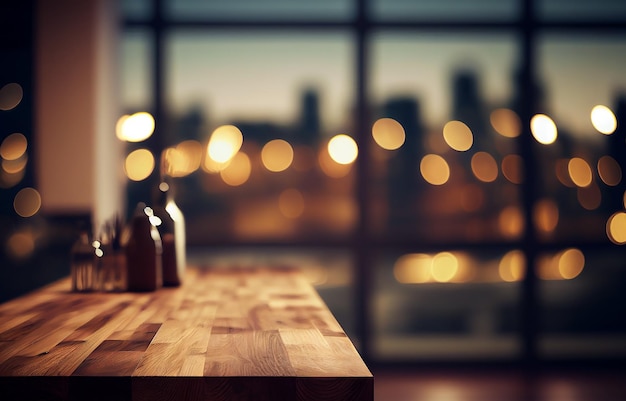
{"points": [[583, 297], [583, 183], [458, 10], [136, 92], [610, 10], [289, 95], [447, 305], [287, 10], [456, 176]]}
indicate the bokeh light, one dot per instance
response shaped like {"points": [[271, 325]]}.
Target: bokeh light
{"points": [[27, 202], [571, 263], [238, 171], [11, 95], [589, 197], [512, 266], [225, 142], [603, 120], [543, 129], [616, 228], [458, 136], [13, 146], [330, 167], [506, 122], [136, 127], [484, 167], [8, 180], [21, 244], [15, 166], [445, 266], [434, 169], [413, 268], [139, 164], [183, 159], [343, 149], [277, 155], [291, 203], [388, 133], [562, 173], [511, 222], [564, 265], [546, 216], [512, 168], [579, 172], [609, 171]]}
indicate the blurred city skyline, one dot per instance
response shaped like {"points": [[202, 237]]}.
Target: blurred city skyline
{"points": [[244, 76]]}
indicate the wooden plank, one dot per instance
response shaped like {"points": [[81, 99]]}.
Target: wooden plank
{"points": [[261, 333]]}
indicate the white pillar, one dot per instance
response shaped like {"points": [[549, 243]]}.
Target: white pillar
{"points": [[78, 157]]}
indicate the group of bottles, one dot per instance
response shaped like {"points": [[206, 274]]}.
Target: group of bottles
{"points": [[146, 254]]}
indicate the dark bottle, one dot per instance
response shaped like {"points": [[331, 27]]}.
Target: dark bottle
{"points": [[167, 229], [144, 251]]}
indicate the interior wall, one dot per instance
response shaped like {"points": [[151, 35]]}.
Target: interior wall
{"points": [[78, 155]]}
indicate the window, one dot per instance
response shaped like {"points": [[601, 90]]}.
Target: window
{"points": [[435, 165]]}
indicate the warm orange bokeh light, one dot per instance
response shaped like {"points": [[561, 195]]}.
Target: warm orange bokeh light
{"points": [[616, 228], [27, 202], [484, 167], [543, 129], [388, 133], [506, 123], [546, 215], [435, 169], [13, 146], [139, 164], [458, 136], [277, 155], [135, 128], [224, 143], [343, 149], [512, 266], [512, 168], [609, 171], [238, 171], [579, 172], [11, 95]]}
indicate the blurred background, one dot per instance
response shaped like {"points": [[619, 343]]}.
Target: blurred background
{"points": [[448, 173]]}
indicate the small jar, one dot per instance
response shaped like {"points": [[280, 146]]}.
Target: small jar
{"points": [[85, 265], [112, 268]]}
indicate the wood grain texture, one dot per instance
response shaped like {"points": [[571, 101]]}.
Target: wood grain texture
{"points": [[230, 334]]}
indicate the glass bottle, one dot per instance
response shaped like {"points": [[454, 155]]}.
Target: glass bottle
{"points": [[168, 170], [144, 251], [167, 229]]}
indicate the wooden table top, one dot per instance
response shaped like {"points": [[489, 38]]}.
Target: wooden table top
{"points": [[262, 334]]}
